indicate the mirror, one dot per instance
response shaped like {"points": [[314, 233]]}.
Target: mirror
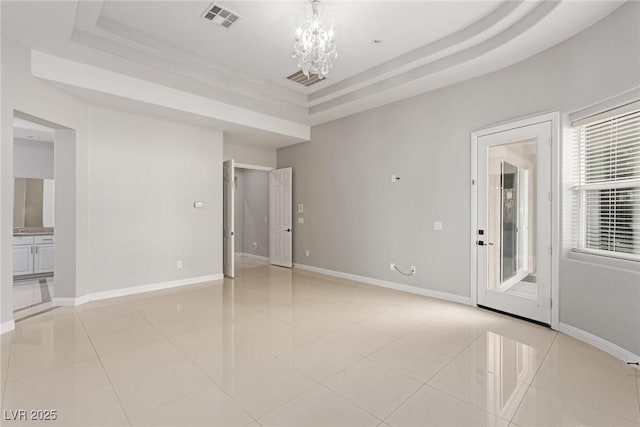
{"points": [[33, 203]]}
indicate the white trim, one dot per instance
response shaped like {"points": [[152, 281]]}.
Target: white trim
{"points": [[599, 343], [604, 105], [7, 326], [385, 284], [95, 296], [603, 259], [556, 218], [254, 167], [554, 118], [252, 256]]}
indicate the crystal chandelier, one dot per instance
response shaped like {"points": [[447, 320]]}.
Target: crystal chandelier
{"points": [[314, 47]]}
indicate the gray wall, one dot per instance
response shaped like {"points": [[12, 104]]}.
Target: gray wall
{"points": [[252, 208], [33, 159], [357, 221], [145, 175], [239, 211]]}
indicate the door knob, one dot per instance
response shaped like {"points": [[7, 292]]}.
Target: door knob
{"points": [[481, 243], [288, 230]]}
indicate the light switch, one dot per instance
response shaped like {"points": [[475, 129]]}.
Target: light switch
{"points": [[300, 220], [300, 208], [437, 225]]}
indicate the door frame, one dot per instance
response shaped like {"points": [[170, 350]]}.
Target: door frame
{"points": [[554, 118], [241, 166]]}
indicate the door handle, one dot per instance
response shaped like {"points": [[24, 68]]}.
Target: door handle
{"points": [[288, 230], [481, 243]]}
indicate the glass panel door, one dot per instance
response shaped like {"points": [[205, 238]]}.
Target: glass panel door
{"points": [[514, 221]]}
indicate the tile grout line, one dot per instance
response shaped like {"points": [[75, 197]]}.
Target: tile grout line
{"points": [[424, 383], [530, 384], [9, 362], [115, 393], [555, 393], [192, 363]]}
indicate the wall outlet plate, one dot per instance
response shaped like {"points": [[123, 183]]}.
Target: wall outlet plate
{"points": [[392, 266], [307, 252], [300, 220], [300, 208], [413, 269], [178, 264], [437, 225]]}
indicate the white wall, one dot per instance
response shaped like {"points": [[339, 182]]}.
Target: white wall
{"points": [[33, 159], [145, 175], [21, 92], [357, 221], [249, 154]]}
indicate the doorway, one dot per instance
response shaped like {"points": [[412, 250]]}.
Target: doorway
{"points": [[33, 217], [251, 217], [512, 217], [257, 216]]}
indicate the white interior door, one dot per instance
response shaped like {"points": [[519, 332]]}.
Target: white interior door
{"points": [[228, 212], [513, 236], [280, 226]]}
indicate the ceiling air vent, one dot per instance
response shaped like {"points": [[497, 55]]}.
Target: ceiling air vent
{"points": [[299, 77], [221, 16]]}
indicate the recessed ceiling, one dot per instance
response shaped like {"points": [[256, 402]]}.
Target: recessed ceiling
{"points": [[262, 42], [426, 45]]}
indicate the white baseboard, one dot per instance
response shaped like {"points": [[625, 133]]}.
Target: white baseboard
{"points": [[599, 343], [385, 284], [7, 326], [252, 256], [95, 296]]}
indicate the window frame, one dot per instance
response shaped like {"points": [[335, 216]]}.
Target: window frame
{"points": [[580, 189]]}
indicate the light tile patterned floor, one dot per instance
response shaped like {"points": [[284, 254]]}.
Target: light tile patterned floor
{"points": [[280, 347]]}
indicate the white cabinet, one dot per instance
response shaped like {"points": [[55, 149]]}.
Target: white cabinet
{"points": [[43, 260], [33, 255], [22, 259]]}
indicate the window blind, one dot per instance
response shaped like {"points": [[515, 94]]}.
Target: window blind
{"points": [[609, 183]]}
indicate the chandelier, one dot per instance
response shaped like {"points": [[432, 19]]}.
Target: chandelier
{"points": [[314, 47]]}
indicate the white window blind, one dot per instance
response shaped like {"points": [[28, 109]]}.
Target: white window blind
{"points": [[609, 183]]}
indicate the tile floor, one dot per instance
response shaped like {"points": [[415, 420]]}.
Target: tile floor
{"points": [[279, 347], [29, 292]]}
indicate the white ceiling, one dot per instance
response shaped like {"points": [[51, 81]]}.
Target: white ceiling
{"points": [[25, 129], [261, 42], [426, 45]]}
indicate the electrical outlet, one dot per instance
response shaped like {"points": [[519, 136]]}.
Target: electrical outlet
{"points": [[413, 269], [437, 225], [392, 266], [307, 252], [300, 220], [255, 245], [179, 264]]}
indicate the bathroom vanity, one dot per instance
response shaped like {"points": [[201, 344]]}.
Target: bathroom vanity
{"points": [[33, 253]]}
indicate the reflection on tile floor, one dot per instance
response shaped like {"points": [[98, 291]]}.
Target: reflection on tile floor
{"points": [[280, 347], [243, 261], [32, 296]]}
